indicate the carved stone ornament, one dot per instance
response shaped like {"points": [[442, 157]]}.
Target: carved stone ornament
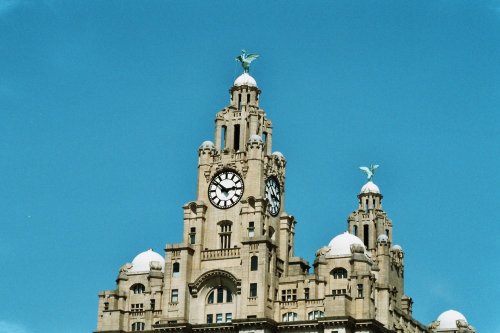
{"points": [[357, 248], [434, 325], [155, 265], [324, 250], [125, 268]]}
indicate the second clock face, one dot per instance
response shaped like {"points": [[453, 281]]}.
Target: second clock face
{"points": [[225, 189], [273, 195]]}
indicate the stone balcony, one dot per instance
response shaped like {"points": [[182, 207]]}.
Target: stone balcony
{"points": [[220, 254]]}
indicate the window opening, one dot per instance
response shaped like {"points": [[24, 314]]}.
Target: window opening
{"points": [[236, 138], [248, 99], [223, 137], [289, 316], [360, 290], [306, 293], [339, 273], [106, 306], [192, 236], [137, 307], [251, 229], [355, 230], [289, 295], [253, 289], [315, 314], [218, 318], [174, 298], [229, 317], [176, 269], [153, 304], [239, 101], [210, 318], [254, 263], [138, 288], [139, 326], [225, 235], [365, 234]]}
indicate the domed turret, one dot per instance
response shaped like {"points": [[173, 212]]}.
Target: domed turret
{"points": [[255, 139], [383, 238], [142, 262], [369, 187], [207, 145], [245, 79], [341, 245], [448, 319]]}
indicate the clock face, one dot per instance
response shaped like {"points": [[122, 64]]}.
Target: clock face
{"points": [[225, 189], [273, 195]]}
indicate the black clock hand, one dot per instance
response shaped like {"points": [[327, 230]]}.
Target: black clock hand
{"points": [[223, 188]]}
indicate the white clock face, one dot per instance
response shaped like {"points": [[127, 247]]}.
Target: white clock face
{"points": [[273, 195], [225, 189]]}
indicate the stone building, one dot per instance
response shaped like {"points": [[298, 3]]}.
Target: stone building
{"points": [[236, 270]]}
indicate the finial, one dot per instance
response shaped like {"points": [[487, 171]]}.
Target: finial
{"points": [[245, 60], [370, 171]]}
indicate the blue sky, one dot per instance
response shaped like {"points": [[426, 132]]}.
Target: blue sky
{"points": [[103, 105]]}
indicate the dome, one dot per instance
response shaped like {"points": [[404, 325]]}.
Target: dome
{"points": [[448, 319], [254, 138], [382, 238], [278, 154], [142, 261], [370, 187], [397, 248], [207, 145], [341, 245], [245, 80]]}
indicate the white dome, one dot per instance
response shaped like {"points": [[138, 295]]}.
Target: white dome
{"points": [[245, 80], [278, 154], [448, 319], [382, 238], [207, 145], [142, 261], [341, 245], [396, 248], [254, 138], [370, 187]]}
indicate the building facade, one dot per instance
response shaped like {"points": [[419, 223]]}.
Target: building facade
{"points": [[236, 270]]}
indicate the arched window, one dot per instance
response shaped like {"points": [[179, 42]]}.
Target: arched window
{"points": [[339, 273], [219, 295], [355, 230], [315, 314], [138, 288], [175, 269], [138, 326], [254, 263], [289, 316]]}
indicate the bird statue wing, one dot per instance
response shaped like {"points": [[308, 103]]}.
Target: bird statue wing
{"points": [[251, 57], [365, 170], [375, 166]]}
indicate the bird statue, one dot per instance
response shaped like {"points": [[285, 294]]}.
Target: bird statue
{"points": [[370, 171], [245, 60]]}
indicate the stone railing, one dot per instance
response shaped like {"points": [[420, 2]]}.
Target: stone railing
{"points": [[289, 305], [220, 254]]}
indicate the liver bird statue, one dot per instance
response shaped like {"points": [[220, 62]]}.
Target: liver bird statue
{"points": [[245, 60], [370, 171]]}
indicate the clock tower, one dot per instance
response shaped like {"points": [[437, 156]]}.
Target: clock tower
{"points": [[238, 239]]}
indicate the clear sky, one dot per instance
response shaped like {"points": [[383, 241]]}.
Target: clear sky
{"points": [[103, 105]]}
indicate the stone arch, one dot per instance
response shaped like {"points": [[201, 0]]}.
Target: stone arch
{"points": [[215, 274], [204, 311]]}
